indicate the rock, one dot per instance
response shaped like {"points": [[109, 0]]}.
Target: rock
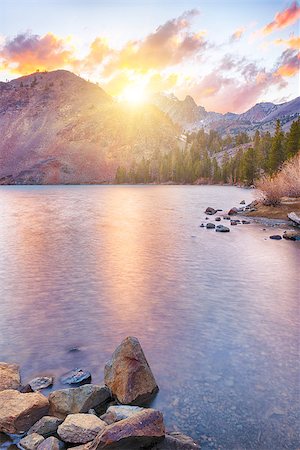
{"points": [[128, 374], [218, 219], [233, 222], [294, 218], [291, 235], [9, 376], [25, 389], [31, 442], [222, 229], [276, 237], [116, 413], [40, 383], [18, 412], [226, 217], [80, 428], [210, 225], [92, 411], [77, 400], [76, 376], [232, 211], [51, 443], [242, 202], [46, 426], [210, 211], [176, 441], [202, 225], [246, 222], [138, 431]]}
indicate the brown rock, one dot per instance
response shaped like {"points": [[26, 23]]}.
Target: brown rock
{"points": [[77, 400], [176, 441], [128, 374], [9, 376], [119, 412], [291, 235], [18, 412], [138, 431], [31, 442], [80, 428], [51, 443], [46, 426]]}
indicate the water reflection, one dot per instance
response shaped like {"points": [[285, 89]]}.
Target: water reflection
{"points": [[216, 314]]}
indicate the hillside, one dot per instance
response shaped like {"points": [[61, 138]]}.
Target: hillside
{"points": [[58, 128]]}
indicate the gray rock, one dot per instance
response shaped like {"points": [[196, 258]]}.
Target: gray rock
{"points": [[210, 211], [128, 374], [77, 400], [291, 235], [31, 442], [210, 225], [138, 431], [246, 222], [25, 389], [40, 383], [222, 229], [176, 441], [18, 412], [80, 428], [46, 426], [9, 376], [116, 413], [276, 237], [226, 217], [202, 225], [76, 376], [51, 443], [294, 218], [218, 219], [242, 202]]}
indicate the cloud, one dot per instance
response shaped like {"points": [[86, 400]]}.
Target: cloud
{"points": [[169, 45], [292, 42], [27, 52], [283, 19], [288, 63], [236, 36]]}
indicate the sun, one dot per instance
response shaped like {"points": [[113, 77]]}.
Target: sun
{"points": [[134, 94]]}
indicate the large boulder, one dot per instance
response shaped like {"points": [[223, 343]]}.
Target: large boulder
{"points": [[18, 412], [176, 441], [128, 374], [9, 376], [80, 428], [78, 400], [138, 431], [46, 426], [115, 413], [31, 442], [51, 443]]}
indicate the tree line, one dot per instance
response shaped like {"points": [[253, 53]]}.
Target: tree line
{"points": [[201, 161]]}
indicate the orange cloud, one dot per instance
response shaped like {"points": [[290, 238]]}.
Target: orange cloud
{"points": [[283, 19], [99, 50], [236, 36], [288, 64], [292, 42], [27, 52]]}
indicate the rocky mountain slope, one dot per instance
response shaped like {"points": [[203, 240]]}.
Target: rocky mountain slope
{"points": [[261, 116], [58, 128]]}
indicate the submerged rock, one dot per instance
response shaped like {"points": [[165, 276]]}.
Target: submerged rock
{"points": [[51, 443], [128, 374], [40, 383], [76, 376], [77, 400], [246, 222], [9, 376], [116, 413], [210, 211], [31, 442], [80, 428], [222, 229], [138, 431], [276, 237], [218, 219], [210, 225], [176, 441], [18, 412], [46, 426]]}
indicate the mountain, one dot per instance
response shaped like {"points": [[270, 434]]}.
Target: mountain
{"points": [[56, 127], [261, 116]]}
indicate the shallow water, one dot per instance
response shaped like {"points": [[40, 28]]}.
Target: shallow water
{"points": [[217, 314]]}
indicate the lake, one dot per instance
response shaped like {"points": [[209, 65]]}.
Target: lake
{"points": [[217, 314]]}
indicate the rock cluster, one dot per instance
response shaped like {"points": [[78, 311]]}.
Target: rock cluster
{"points": [[91, 417]]}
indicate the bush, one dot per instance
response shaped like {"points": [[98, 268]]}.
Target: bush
{"points": [[286, 183]]}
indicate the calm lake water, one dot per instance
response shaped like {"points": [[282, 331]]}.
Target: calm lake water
{"points": [[217, 314]]}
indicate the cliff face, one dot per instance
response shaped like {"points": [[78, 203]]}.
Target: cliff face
{"points": [[58, 128]]}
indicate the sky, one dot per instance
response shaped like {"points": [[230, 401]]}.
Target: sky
{"points": [[227, 54]]}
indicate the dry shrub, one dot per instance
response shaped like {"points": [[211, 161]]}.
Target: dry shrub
{"points": [[286, 183]]}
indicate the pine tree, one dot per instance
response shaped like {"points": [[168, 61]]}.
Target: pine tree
{"points": [[277, 149]]}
